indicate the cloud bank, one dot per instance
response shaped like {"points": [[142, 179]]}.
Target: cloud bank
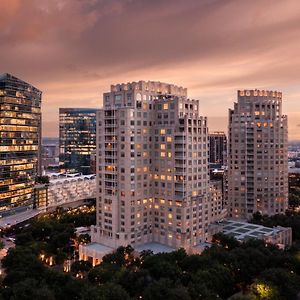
{"points": [[73, 50]]}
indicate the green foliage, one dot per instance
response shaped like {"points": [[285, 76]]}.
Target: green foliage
{"points": [[106, 272], [81, 266], [290, 219], [294, 201], [165, 289], [225, 241], [249, 270], [84, 238]]}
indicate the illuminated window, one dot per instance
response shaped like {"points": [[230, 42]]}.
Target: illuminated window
{"points": [[163, 154], [162, 146], [166, 106], [169, 139], [163, 131]]}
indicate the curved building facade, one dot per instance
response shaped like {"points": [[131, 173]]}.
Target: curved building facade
{"points": [[20, 139]]}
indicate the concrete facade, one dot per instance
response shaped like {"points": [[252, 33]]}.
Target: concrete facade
{"points": [[152, 168], [258, 159]]}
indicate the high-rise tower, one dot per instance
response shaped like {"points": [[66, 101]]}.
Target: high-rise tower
{"points": [[77, 139], [217, 148], [152, 177], [20, 141], [257, 162]]}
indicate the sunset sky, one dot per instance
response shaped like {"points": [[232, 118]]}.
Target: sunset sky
{"points": [[73, 50]]}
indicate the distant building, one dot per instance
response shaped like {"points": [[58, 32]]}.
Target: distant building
{"points": [[217, 209], [217, 148], [77, 139], [20, 142], [50, 153], [65, 191], [294, 181], [258, 159], [93, 160]]}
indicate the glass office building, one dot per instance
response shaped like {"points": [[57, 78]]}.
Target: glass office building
{"points": [[20, 139], [77, 139]]}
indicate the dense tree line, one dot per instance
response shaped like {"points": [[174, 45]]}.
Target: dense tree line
{"points": [[290, 219], [260, 271], [250, 270]]}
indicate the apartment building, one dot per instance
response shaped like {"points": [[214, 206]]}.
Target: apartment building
{"points": [[152, 174], [258, 158]]}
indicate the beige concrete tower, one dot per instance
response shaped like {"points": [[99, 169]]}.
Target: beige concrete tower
{"points": [[152, 180], [257, 160]]}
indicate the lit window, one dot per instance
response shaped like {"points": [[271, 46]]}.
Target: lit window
{"points": [[166, 106]]}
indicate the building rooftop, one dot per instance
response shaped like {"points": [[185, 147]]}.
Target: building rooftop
{"points": [[6, 77], [155, 248], [98, 248], [243, 230]]}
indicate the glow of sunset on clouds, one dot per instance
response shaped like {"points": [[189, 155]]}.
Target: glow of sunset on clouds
{"points": [[73, 50]]}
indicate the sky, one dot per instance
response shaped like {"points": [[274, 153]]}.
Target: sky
{"points": [[73, 50]]}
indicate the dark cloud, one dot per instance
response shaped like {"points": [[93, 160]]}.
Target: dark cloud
{"points": [[74, 49]]}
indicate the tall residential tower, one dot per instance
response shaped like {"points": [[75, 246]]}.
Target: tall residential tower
{"points": [[20, 141], [257, 162], [152, 151]]}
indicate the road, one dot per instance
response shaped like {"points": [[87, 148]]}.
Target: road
{"points": [[18, 218]]}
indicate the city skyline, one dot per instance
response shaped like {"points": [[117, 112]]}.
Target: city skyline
{"points": [[73, 50]]}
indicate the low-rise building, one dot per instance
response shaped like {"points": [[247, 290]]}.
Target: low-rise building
{"points": [[63, 190], [242, 231]]}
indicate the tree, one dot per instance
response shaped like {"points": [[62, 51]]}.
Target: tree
{"points": [[84, 238], [29, 289], [105, 272], [217, 279], [294, 201], [81, 267], [161, 266], [164, 289], [19, 263], [122, 256], [228, 242], [287, 282], [135, 281], [265, 291], [114, 291]]}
